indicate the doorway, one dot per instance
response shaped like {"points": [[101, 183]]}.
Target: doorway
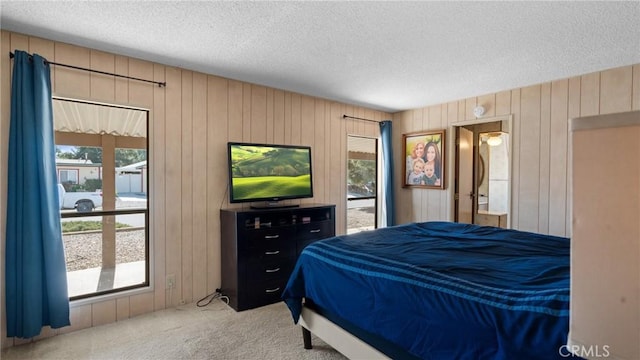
{"points": [[482, 182], [362, 172]]}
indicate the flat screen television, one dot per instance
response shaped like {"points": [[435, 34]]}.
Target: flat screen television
{"points": [[269, 173]]}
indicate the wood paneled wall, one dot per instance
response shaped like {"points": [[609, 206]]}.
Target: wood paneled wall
{"points": [[540, 172], [191, 121]]}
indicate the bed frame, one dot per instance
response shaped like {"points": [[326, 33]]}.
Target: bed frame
{"points": [[343, 341]]}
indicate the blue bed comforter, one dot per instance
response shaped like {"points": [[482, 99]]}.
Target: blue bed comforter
{"points": [[443, 290]]}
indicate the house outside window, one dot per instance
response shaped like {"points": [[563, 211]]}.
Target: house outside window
{"points": [[66, 176], [102, 169]]}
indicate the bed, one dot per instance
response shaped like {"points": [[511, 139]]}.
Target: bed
{"points": [[435, 290]]}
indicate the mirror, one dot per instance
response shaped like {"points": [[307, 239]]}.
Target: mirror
{"points": [[493, 172]]}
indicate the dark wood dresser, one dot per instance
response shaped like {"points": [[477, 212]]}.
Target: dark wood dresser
{"points": [[260, 248]]}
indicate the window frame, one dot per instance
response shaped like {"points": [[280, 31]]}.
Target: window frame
{"points": [[64, 140]]}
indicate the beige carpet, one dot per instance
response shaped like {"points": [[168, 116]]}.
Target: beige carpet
{"points": [[186, 332]]}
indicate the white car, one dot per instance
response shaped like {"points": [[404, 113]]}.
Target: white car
{"points": [[81, 201]]}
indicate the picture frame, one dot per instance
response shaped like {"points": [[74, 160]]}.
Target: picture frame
{"points": [[424, 159]]}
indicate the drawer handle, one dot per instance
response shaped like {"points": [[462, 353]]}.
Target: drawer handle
{"points": [[272, 252], [315, 231], [272, 290], [272, 270], [271, 236]]}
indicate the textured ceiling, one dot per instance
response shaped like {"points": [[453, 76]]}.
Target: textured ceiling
{"points": [[389, 56]]}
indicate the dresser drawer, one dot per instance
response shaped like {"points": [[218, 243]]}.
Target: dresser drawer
{"points": [[260, 273], [268, 292], [266, 239], [316, 230], [274, 251]]}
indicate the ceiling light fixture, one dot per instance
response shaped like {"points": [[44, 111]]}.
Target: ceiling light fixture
{"points": [[478, 111], [494, 140]]}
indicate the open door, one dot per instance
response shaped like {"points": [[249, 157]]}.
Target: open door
{"points": [[482, 172], [464, 176]]}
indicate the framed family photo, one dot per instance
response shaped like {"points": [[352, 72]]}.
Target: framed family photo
{"points": [[424, 164]]}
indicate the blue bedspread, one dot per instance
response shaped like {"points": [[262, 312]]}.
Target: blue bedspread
{"points": [[443, 290]]}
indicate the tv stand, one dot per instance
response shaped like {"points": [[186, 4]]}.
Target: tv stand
{"points": [[273, 205], [260, 247]]}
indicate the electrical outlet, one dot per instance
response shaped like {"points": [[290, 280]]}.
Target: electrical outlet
{"points": [[171, 281]]}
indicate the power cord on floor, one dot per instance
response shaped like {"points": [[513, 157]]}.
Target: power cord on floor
{"points": [[209, 298]]}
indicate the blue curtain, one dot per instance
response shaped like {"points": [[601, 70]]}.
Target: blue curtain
{"points": [[35, 273], [388, 207]]}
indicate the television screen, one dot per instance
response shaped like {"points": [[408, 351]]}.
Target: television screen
{"points": [[261, 172]]}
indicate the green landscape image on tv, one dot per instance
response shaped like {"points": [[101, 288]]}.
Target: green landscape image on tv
{"points": [[269, 172]]}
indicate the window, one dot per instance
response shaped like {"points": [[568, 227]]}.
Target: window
{"points": [[104, 200], [67, 176], [362, 169]]}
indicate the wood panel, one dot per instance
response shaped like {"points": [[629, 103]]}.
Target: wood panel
{"points": [[503, 103], [327, 151], [158, 183], [416, 194], [405, 212], [544, 158], [335, 182], [529, 158], [616, 90], [80, 318], [45, 49], [216, 179], [73, 83], [103, 312], [317, 156], [102, 86], [434, 201], [515, 162], [341, 211], [185, 281], [269, 116], [296, 119], [489, 104], [635, 91], [307, 137], [143, 303], [121, 84], [199, 208], [122, 308], [573, 111], [172, 151], [235, 120], [278, 117], [558, 150], [246, 112], [258, 114], [590, 94]]}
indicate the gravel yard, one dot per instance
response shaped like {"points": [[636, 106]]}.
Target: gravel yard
{"points": [[360, 218], [84, 251]]}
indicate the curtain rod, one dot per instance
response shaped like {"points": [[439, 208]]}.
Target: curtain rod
{"points": [[357, 118], [160, 84]]}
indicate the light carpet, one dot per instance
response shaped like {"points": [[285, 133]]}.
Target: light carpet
{"points": [[186, 332]]}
